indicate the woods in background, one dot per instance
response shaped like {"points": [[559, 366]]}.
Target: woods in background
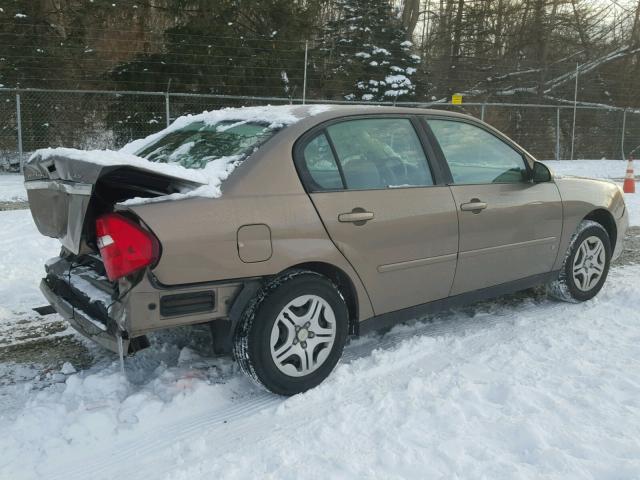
{"points": [[495, 50]]}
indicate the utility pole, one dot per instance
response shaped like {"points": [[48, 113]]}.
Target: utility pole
{"points": [[304, 81], [575, 109]]}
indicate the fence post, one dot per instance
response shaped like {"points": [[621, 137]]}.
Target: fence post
{"points": [[558, 133], [304, 80], [624, 127], [167, 108], [482, 112], [575, 109], [19, 125]]}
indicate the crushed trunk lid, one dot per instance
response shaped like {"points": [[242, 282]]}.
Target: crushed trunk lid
{"points": [[67, 191]]}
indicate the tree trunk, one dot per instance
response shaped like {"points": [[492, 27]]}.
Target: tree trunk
{"points": [[455, 48], [410, 16]]}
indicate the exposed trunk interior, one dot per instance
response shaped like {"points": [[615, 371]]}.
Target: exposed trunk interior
{"points": [[66, 195]]}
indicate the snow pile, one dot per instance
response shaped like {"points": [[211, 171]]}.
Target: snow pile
{"points": [[12, 188]]}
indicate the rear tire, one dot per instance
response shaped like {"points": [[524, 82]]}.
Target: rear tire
{"points": [[586, 264], [292, 334]]}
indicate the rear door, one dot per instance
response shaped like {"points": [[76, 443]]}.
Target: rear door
{"points": [[510, 227], [384, 207]]}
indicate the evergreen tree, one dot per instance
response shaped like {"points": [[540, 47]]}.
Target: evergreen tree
{"points": [[368, 55]]}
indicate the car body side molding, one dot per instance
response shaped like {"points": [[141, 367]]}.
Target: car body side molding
{"points": [[390, 319]]}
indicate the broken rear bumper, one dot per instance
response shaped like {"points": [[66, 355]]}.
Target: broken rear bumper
{"points": [[82, 322]]}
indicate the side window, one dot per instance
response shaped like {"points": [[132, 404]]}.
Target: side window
{"points": [[476, 156], [321, 165], [377, 153]]}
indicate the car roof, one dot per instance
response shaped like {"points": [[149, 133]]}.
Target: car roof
{"points": [[311, 115], [328, 111]]}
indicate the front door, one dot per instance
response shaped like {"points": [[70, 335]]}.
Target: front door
{"points": [[510, 228], [372, 185]]}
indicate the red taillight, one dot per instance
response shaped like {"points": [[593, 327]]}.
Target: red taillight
{"points": [[125, 247]]}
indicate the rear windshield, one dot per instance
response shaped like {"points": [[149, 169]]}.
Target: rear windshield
{"points": [[200, 143]]}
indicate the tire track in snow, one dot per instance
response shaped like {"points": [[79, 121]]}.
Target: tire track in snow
{"points": [[230, 425]]}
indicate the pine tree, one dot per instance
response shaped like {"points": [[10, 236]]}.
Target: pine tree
{"points": [[367, 53]]}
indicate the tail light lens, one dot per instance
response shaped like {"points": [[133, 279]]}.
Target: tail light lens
{"points": [[125, 247]]}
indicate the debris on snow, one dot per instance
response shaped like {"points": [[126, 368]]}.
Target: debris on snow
{"points": [[67, 369]]}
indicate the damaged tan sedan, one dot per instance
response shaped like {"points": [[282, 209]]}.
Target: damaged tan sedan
{"points": [[287, 229]]}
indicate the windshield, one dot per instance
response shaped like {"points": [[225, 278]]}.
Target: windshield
{"points": [[200, 143]]}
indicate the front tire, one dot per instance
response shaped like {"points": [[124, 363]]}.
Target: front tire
{"points": [[586, 264], [292, 333]]}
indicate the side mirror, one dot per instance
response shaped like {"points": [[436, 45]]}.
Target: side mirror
{"points": [[540, 173]]}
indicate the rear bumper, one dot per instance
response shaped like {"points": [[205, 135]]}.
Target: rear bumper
{"points": [[82, 322], [77, 288]]}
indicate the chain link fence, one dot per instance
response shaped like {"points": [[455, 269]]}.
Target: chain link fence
{"points": [[33, 119]]}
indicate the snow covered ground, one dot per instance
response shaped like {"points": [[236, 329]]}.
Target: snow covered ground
{"points": [[12, 188], [521, 387], [591, 168]]}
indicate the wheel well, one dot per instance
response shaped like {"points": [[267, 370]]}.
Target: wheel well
{"points": [[604, 218], [344, 284]]}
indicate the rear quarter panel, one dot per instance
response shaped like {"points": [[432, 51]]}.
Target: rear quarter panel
{"points": [[199, 239], [580, 197]]}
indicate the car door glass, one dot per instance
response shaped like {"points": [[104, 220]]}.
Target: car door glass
{"points": [[475, 156], [378, 153], [320, 164]]}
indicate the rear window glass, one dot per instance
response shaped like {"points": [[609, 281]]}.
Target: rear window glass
{"points": [[321, 164], [199, 143]]}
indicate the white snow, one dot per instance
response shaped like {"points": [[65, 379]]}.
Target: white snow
{"points": [[275, 116], [527, 388], [523, 387], [12, 188], [397, 81], [214, 173], [113, 158], [24, 253], [591, 168], [383, 51]]}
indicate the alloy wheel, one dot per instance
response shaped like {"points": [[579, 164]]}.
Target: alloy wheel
{"points": [[589, 263], [302, 335]]}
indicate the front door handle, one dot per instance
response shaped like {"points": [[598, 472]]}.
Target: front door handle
{"points": [[475, 206], [358, 216]]}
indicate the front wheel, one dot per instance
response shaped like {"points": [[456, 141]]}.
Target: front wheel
{"points": [[586, 264], [292, 334]]}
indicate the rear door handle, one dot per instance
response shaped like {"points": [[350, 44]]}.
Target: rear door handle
{"points": [[357, 217], [475, 206]]}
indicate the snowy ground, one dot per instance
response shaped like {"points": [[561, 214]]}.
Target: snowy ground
{"points": [[521, 387], [613, 169], [12, 188]]}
